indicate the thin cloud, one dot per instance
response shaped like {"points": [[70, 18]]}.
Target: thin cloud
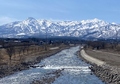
{"points": [[5, 20]]}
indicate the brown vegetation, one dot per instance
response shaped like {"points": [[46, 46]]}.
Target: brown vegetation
{"points": [[109, 53], [104, 46], [17, 56]]}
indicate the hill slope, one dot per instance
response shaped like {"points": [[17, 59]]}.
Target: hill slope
{"points": [[94, 28]]}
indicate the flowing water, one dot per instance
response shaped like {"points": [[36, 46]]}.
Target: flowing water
{"points": [[74, 71]]}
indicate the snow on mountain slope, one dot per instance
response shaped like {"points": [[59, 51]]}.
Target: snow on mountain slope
{"points": [[94, 28]]}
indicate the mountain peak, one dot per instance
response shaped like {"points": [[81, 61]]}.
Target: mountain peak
{"points": [[96, 19], [94, 28], [31, 19]]}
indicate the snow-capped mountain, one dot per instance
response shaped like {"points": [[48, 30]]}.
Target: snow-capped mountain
{"points": [[94, 28]]}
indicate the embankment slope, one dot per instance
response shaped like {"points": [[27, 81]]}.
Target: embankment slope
{"points": [[104, 68]]}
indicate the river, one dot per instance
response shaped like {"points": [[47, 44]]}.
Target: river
{"points": [[74, 71]]}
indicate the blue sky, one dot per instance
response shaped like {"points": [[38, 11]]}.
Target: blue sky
{"points": [[12, 10]]}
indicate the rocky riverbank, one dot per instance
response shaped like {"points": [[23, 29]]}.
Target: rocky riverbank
{"points": [[107, 73], [47, 79]]}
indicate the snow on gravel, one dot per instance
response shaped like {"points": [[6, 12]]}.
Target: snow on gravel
{"points": [[74, 70]]}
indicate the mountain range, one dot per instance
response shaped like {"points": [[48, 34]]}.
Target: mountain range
{"points": [[32, 27]]}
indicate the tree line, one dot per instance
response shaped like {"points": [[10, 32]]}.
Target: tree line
{"points": [[103, 45]]}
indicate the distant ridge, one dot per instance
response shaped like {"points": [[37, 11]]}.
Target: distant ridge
{"points": [[93, 28]]}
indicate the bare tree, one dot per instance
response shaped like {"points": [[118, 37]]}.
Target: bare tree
{"points": [[116, 37], [20, 51], [0, 55], [10, 51], [24, 48]]}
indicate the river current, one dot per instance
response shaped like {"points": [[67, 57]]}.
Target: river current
{"points": [[74, 71]]}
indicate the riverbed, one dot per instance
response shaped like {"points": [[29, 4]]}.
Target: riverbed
{"points": [[73, 70]]}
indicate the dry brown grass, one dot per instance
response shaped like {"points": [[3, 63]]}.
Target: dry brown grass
{"points": [[30, 54], [110, 58]]}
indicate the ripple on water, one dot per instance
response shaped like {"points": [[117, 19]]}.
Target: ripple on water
{"points": [[74, 70]]}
